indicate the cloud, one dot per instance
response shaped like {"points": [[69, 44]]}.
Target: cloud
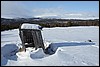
{"points": [[63, 13], [46, 15], [13, 9], [74, 14], [45, 11]]}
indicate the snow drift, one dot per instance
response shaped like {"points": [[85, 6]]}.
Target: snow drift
{"points": [[58, 38]]}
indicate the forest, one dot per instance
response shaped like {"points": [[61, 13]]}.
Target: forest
{"points": [[8, 24]]}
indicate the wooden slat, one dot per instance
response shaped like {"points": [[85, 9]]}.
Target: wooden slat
{"points": [[32, 36], [35, 39], [41, 44]]}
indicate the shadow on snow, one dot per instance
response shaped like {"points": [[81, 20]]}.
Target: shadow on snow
{"points": [[8, 52], [54, 46]]}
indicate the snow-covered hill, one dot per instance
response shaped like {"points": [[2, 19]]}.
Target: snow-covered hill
{"points": [[73, 54]]}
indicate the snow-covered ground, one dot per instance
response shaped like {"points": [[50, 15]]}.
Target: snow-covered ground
{"points": [[64, 40]]}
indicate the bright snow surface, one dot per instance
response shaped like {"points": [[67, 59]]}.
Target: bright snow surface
{"points": [[71, 53], [29, 26]]}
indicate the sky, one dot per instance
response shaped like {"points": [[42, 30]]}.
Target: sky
{"points": [[54, 9]]}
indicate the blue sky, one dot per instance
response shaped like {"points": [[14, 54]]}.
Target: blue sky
{"points": [[84, 5], [58, 9]]}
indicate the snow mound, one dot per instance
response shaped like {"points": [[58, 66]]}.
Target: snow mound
{"points": [[38, 54], [9, 50], [32, 53], [4, 60]]}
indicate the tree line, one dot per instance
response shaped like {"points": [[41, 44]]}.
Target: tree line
{"points": [[13, 24]]}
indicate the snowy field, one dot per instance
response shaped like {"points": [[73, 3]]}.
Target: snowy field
{"points": [[69, 43]]}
